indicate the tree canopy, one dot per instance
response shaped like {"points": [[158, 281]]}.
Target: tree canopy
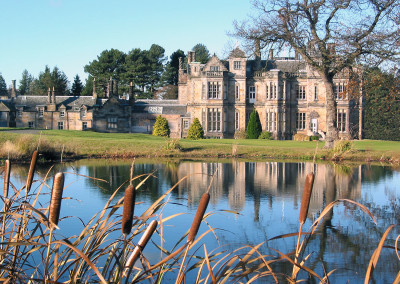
{"points": [[25, 83], [3, 86], [330, 36], [382, 105], [49, 79], [77, 86], [254, 128], [202, 53], [170, 75]]}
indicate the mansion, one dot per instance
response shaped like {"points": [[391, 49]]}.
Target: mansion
{"points": [[288, 95]]}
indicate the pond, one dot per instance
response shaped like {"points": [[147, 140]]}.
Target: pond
{"points": [[251, 202]]}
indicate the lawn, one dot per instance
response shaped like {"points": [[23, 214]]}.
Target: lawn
{"points": [[90, 144]]}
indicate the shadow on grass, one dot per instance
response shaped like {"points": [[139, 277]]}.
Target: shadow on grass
{"points": [[190, 149]]}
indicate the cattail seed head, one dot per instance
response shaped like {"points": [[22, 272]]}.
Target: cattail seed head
{"points": [[31, 171], [7, 171], [305, 202], [205, 198], [56, 197], [129, 207], [142, 243]]}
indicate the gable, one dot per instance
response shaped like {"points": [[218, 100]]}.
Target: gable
{"points": [[3, 107], [214, 61]]}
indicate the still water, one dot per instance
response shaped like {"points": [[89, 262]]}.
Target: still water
{"points": [[251, 203]]}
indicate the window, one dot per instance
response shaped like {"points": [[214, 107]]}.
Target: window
{"points": [[83, 112], [19, 112], [186, 124], [301, 92], [273, 95], [237, 116], [301, 120], [271, 117], [315, 93], [31, 124], [341, 121], [267, 91], [62, 113], [237, 65], [214, 119], [60, 125], [214, 90], [237, 92], [84, 125], [214, 68], [252, 94], [112, 122], [41, 112], [339, 90]]}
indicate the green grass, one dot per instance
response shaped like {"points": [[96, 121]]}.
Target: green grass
{"points": [[125, 145]]}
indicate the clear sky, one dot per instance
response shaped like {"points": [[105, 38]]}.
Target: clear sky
{"points": [[71, 33]]}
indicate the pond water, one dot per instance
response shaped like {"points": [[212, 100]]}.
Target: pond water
{"points": [[266, 197]]}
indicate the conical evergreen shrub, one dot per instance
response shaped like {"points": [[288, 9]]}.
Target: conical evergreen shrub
{"points": [[161, 127], [195, 130], [254, 126]]}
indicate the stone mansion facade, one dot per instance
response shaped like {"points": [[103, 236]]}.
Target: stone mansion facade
{"points": [[287, 94]]}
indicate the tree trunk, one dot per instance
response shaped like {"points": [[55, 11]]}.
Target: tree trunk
{"points": [[331, 128]]}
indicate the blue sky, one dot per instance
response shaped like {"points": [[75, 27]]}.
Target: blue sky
{"points": [[71, 33]]}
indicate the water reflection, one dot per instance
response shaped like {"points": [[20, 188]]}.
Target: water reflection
{"points": [[267, 195]]}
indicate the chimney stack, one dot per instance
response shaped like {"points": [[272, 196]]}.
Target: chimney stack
{"points": [[257, 54], [131, 95], [49, 96], [271, 54], [53, 100], [13, 90], [94, 89]]}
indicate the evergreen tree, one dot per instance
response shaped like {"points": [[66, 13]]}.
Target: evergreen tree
{"points": [[382, 106], [161, 127], [195, 130], [254, 126], [88, 89], [25, 83], [3, 86], [49, 79], [202, 53], [170, 75], [77, 86]]}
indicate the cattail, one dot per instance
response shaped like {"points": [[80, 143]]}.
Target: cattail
{"points": [[129, 207], [7, 171], [205, 198], [142, 243], [56, 197], [305, 202], [31, 171]]}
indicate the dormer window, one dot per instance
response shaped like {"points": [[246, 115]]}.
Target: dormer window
{"points": [[41, 111], [62, 113], [214, 68], [83, 112], [237, 65]]}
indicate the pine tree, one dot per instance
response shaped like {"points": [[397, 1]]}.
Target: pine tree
{"points": [[195, 130], [25, 83], [254, 126], [3, 86], [161, 127], [77, 86]]}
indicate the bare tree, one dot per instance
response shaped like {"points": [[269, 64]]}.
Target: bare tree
{"points": [[330, 35]]}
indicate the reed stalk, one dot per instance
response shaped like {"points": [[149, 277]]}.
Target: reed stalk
{"points": [[7, 171], [141, 244], [31, 172], [205, 198], [128, 209]]}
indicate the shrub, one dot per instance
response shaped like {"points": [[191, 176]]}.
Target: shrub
{"points": [[342, 146], [195, 130], [314, 138], [265, 135], [254, 126], [301, 137], [161, 127], [241, 134], [173, 144]]}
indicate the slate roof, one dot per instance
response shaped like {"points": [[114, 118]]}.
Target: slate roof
{"points": [[31, 102], [162, 107], [6, 105], [284, 65]]}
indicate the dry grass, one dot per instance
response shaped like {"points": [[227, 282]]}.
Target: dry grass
{"points": [[32, 251]]}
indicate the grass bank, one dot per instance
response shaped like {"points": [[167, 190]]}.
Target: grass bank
{"points": [[78, 144]]}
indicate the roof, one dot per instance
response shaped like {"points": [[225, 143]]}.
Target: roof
{"points": [[285, 65], [31, 102], [237, 53], [160, 107]]}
